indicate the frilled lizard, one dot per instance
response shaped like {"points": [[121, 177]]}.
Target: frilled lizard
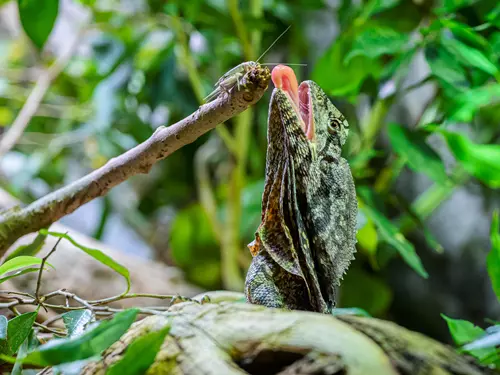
{"points": [[307, 236]]}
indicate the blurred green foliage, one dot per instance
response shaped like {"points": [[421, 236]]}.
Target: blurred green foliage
{"points": [[153, 65]]}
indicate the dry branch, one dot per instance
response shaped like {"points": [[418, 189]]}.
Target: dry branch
{"points": [[32, 104], [45, 211]]}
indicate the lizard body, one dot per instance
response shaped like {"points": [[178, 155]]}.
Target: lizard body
{"points": [[306, 239]]}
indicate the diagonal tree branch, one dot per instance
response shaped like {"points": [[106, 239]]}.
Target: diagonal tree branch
{"points": [[45, 211], [42, 85]]}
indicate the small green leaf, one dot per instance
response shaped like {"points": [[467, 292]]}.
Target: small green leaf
{"points": [[377, 41], [3, 327], [412, 146], [445, 67], [464, 32], [494, 16], [76, 321], [28, 345], [464, 332], [376, 6], [487, 341], [470, 56], [87, 345], [38, 18], [96, 254], [18, 263], [140, 354], [350, 311], [31, 249], [481, 161], [18, 330], [493, 259], [390, 234], [470, 101]]}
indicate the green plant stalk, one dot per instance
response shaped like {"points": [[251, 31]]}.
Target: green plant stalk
{"points": [[205, 191], [257, 11], [186, 58], [106, 210], [375, 121], [241, 31], [231, 244]]}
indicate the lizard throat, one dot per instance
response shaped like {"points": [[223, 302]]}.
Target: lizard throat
{"points": [[299, 96]]}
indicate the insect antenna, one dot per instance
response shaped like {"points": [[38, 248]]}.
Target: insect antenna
{"points": [[284, 63], [273, 43]]}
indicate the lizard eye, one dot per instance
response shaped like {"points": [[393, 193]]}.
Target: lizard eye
{"points": [[334, 126]]}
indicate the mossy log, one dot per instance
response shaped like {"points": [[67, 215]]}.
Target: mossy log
{"points": [[238, 338]]}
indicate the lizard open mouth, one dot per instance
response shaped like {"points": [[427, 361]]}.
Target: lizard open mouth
{"points": [[284, 78]]}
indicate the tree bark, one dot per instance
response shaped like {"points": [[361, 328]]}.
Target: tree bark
{"points": [[238, 338]]}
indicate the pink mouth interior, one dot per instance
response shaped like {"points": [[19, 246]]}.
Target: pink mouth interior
{"points": [[284, 78]]}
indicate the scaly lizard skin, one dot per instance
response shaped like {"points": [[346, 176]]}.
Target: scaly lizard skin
{"points": [[307, 236]]}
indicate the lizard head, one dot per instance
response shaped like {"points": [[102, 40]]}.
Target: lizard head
{"points": [[314, 127]]}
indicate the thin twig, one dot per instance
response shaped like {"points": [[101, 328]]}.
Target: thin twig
{"points": [[16, 292], [42, 265], [140, 159], [30, 107], [131, 295]]}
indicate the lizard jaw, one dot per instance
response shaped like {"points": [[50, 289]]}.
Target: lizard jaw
{"points": [[299, 96]]}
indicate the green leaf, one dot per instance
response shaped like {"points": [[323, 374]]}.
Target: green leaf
{"points": [[76, 321], [377, 41], [464, 332], [18, 273], [87, 345], [390, 234], [470, 56], [449, 6], [28, 345], [487, 341], [96, 254], [38, 18], [18, 263], [470, 101], [339, 311], [140, 354], [3, 327], [481, 161], [340, 79], [464, 32], [377, 6], [493, 259], [445, 67], [412, 146], [18, 330], [31, 249], [494, 16]]}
